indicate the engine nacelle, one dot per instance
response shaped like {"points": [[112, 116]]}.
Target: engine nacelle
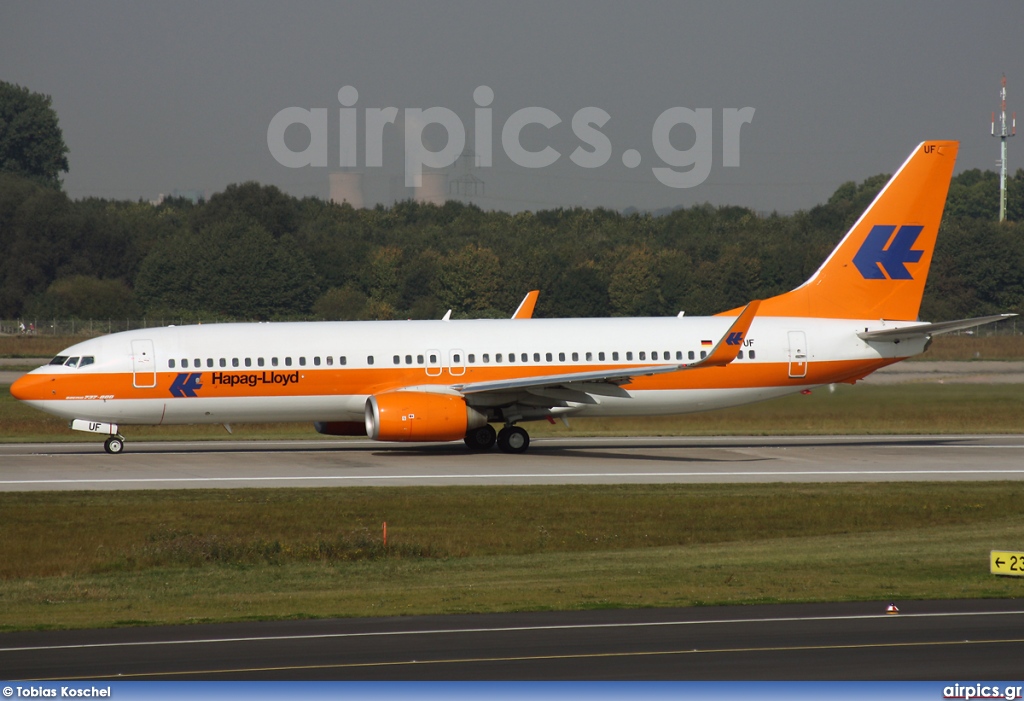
{"points": [[420, 416], [340, 428]]}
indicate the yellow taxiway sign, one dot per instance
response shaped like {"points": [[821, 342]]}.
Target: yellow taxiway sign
{"points": [[1008, 563]]}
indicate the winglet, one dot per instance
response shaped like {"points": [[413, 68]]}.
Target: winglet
{"points": [[729, 346], [525, 309]]}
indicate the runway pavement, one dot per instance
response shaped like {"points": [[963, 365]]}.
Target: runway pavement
{"points": [[937, 640], [178, 465]]}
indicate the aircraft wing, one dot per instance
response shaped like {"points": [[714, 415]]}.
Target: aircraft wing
{"points": [[921, 330], [577, 386]]}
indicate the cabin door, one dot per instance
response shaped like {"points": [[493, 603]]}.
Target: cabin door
{"points": [[797, 354], [143, 364]]}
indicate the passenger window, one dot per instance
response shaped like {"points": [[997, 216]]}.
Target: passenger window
{"points": [[209, 362], [456, 358], [497, 357], [590, 356], [600, 355], [369, 360], [197, 363], [654, 355], [223, 362], [419, 360], [472, 357], [629, 355], [234, 362], [524, 358], [690, 355], [575, 357], [248, 362], [170, 363], [751, 355], [561, 357], [703, 354], [679, 355], [433, 359], [487, 357], [536, 357], [273, 361], [330, 360], [260, 362], [86, 360], [302, 361], [667, 355], [739, 356], [342, 360], [184, 362], [316, 360], [643, 355], [547, 357], [287, 362], [615, 355], [408, 360], [398, 360]]}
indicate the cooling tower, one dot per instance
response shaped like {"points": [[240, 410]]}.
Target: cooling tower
{"points": [[347, 187]]}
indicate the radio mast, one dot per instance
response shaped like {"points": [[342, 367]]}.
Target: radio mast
{"points": [[1002, 147]]}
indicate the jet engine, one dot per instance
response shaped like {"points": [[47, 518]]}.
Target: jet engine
{"points": [[420, 416]]}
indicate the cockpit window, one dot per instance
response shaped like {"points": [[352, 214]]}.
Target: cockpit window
{"points": [[59, 360], [86, 360], [72, 362]]}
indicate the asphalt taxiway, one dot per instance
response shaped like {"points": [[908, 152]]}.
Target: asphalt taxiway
{"points": [[318, 463], [936, 640]]}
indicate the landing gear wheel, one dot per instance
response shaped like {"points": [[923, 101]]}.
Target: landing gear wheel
{"points": [[513, 439], [481, 439], [114, 445]]}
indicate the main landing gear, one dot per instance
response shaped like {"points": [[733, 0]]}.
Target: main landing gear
{"points": [[510, 439], [480, 439]]}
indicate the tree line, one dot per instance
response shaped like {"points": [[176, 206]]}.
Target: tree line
{"points": [[253, 252]]}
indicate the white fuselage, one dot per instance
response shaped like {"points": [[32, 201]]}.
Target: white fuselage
{"points": [[325, 371]]}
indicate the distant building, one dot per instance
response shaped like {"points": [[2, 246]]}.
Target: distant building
{"points": [[347, 186], [193, 196]]}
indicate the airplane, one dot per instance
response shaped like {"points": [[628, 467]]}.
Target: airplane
{"points": [[450, 380]]}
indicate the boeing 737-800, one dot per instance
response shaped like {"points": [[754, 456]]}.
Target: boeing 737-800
{"points": [[449, 380]]}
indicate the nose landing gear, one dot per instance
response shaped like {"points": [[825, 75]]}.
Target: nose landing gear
{"points": [[114, 445]]}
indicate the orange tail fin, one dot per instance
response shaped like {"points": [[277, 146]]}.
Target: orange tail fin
{"points": [[878, 270]]}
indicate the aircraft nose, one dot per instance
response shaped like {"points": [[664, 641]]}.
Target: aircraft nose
{"points": [[30, 386]]}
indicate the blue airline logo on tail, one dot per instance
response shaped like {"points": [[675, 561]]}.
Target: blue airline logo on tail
{"points": [[186, 384], [876, 261], [734, 339]]}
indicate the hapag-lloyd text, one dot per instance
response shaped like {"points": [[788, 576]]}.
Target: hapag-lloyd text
{"points": [[252, 379]]}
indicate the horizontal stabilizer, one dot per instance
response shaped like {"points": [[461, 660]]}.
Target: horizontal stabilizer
{"points": [[922, 330]]}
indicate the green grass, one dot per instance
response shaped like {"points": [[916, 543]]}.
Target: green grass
{"points": [[116, 558]]}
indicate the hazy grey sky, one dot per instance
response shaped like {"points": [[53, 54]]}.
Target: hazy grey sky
{"points": [[159, 96]]}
